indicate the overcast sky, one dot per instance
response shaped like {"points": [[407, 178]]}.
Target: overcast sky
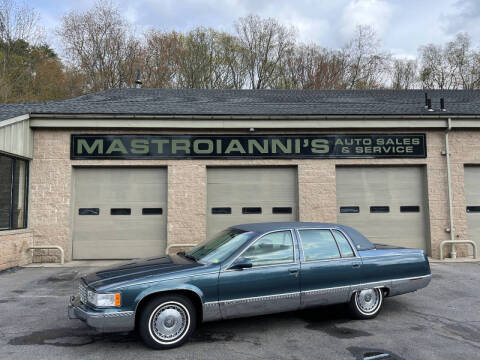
{"points": [[403, 25]]}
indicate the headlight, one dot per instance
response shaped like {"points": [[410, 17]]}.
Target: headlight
{"points": [[103, 300]]}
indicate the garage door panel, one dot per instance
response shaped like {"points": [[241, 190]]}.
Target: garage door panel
{"points": [[124, 252], [262, 192], [384, 186], [472, 197], [107, 236], [111, 230], [236, 188], [118, 193], [253, 175]]}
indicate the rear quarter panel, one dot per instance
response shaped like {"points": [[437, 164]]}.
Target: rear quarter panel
{"points": [[393, 264], [403, 267]]}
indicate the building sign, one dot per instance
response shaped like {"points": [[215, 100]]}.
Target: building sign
{"points": [[93, 146]]}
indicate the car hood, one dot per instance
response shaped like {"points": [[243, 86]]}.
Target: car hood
{"points": [[136, 269]]}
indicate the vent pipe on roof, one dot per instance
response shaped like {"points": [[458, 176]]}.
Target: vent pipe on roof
{"points": [[426, 100], [138, 82], [429, 104], [442, 104]]}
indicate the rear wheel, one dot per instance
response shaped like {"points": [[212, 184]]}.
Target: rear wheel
{"points": [[366, 304], [167, 321]]}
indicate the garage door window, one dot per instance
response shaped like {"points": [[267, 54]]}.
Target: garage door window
{"points": [[473, 209], [349, 209], [274, 248], [124, 211], [89, 211], [221, 210], [251, 210], [319, 245], [13, 193], [281, 210], [152, 211], [379, 209]]}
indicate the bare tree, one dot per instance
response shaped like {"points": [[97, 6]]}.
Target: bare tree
{"points": [[19, 22], [312, 67], [231, 56], [435, 72], [202, 58], [197, 61], [162, 51], [463, 61], [404, 74], [453, 66], [366, 62], [102, 45], [265, 43]]}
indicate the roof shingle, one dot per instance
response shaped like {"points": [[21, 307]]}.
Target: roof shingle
{"points": [[254, 102]]}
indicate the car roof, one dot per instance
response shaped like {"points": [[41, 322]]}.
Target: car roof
{"points": [[270, 226], [359, 240]]}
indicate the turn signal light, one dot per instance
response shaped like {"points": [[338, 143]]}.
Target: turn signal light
{"points": [[117, 299]]}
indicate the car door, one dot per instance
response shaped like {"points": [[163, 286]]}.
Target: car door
{"points": [[329, 266], [270, 285]]}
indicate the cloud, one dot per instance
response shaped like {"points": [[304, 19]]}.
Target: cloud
{"points": [[376, 13], [463, 17], [403, 25]]}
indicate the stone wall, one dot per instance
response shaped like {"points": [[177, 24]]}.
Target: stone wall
{"points": [[51, 187]]}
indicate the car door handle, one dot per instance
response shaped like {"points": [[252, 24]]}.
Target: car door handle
{"points": [[357, 265], [293, 270]]}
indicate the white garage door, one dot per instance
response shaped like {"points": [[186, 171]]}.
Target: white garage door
{"points": [[386, 204], [250, 194], [472, 196], [119, 213]]}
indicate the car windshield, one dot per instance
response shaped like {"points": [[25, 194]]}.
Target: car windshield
{"points": [[220, 247]]}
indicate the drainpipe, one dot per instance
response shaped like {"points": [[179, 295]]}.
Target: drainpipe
{"points": [[453, 253]]}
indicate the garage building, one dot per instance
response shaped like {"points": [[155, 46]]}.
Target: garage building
{"points": [[130, 173]]}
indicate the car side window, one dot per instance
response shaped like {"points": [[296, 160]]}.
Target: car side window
{"points": [[345, 248], [318, 245], [274, 248]]}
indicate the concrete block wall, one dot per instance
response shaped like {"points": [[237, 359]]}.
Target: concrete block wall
{"points": [[51, 186], [13, 248]]}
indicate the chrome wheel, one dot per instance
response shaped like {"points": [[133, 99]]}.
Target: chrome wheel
{"points": [[368, 301], [169, 322]]}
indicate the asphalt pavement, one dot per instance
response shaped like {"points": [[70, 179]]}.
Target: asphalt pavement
{"points": [[441, 321]]}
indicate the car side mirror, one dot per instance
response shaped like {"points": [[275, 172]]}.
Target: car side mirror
{"points": [[241, 263]]}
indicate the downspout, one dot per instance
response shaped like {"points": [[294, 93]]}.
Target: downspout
{"points": [[453, 253]]}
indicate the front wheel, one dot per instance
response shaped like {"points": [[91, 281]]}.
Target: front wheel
{"points": [[366, 304], [167, 321]]}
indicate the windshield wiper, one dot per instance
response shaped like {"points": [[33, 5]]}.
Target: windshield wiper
{"points": [[187, 256]]}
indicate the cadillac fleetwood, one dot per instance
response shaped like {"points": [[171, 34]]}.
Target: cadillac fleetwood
{"points": [[247, 270]]}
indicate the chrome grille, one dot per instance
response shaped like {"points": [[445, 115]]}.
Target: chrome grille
{"points": [[82, 291]]}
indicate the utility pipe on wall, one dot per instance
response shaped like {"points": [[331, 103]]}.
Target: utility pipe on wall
{"points": [[453, 253]]}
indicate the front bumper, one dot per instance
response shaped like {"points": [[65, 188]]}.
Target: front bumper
{"points": [[106, 321]]}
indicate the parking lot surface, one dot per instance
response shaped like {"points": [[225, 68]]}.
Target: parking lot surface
{"points": [[439, 322]]}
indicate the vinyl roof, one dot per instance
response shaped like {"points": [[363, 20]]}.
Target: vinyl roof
{"points": [[254, 102]]}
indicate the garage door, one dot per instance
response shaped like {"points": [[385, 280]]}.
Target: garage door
{"points": [[472, 196], [120, 213], [247, 195], [387, 204]]}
